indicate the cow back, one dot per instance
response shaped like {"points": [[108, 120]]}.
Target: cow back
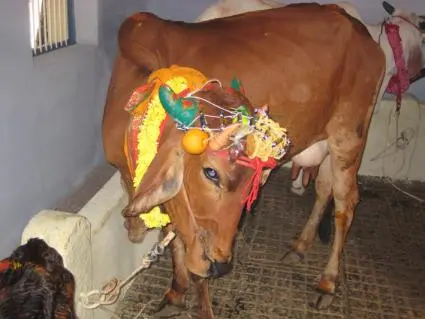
{"points": [[299, 59]]}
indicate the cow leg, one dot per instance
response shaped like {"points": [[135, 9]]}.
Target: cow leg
{"points": [[346, 197], [180, 284], [323, 187], [204, 310]]}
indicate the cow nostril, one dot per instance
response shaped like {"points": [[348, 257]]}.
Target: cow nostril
{"points": [[218, 269]]}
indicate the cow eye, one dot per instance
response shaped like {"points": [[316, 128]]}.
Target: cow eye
{"points": [[212, 175]]}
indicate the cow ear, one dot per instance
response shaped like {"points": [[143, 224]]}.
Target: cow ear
{"points": [[164, 177]]}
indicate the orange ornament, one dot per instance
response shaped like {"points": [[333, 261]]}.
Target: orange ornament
{"points": [[195, 141]]}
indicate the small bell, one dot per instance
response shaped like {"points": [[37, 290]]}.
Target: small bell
{"points": [[222, 121], [252, 121], [239, 117], [203, 120], [181, 127]]}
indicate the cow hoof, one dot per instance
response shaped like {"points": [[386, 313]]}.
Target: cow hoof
{"points": [[292, 257], [202, 314], [325, 292], [164, 303], [322, 300], [160, 306]]}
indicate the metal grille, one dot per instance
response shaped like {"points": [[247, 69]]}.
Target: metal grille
{"points": [[51, 24]]}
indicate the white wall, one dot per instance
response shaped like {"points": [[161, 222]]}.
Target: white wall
{"points": [[49, 119]]}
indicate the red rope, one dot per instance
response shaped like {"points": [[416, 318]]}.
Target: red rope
{"points": [[253, 187]]}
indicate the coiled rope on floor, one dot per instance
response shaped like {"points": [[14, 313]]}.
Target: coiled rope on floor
{"points": [[110, 292]]}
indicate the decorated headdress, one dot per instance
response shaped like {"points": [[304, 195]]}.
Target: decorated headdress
{"points": [[252, 140]]}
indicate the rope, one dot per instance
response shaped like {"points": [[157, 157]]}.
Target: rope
{"points": [[110, 292]]}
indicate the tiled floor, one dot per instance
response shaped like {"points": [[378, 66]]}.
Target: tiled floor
{"points": [[383, 267]]}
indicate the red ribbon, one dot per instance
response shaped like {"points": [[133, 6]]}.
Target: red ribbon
{"points": [[257, 165]]}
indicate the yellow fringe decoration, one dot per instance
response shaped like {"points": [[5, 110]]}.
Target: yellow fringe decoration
{"points": [[179, 79], [269, 139]]}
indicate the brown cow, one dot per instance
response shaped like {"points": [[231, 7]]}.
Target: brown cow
{"points": [[198, 191], [320, 74], [411, 28]]}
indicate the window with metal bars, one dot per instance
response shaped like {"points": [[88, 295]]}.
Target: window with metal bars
{"points": [[52, 25]]}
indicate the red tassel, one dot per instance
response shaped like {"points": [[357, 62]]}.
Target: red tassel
{"points": [[257, 165]]}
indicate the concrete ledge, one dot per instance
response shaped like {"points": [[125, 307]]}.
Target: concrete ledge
{"points": [[69, 234], [93, 242]]}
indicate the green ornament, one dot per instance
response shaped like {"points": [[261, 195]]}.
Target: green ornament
{"points": [[174, 106]]}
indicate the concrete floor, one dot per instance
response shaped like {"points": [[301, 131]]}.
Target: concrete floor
{"points": [[382, 271]]}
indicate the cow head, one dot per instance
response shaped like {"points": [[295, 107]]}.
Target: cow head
{"points": [[413, 35], [205, 193]]}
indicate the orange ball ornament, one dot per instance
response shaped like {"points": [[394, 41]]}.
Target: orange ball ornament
{"points": [[195, 141]]}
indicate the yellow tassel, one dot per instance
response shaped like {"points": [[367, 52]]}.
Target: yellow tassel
{"points": [[155, 219]]}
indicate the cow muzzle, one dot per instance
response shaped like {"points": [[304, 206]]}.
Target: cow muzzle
{"points": [[203, 264], [218, 269], [136, 229]]}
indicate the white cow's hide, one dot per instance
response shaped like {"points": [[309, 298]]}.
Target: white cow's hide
{"points": [[225, 8]]}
